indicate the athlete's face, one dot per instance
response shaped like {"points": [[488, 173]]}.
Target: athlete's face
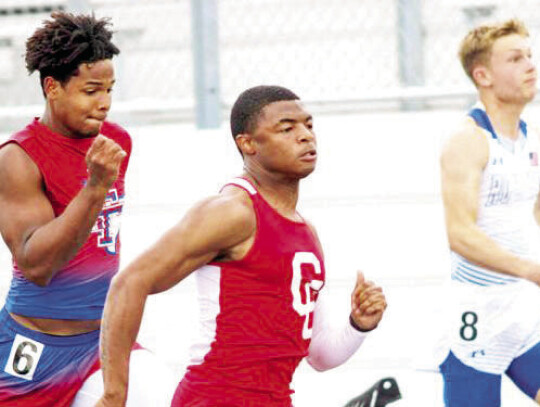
{"points": [[79, 106], [511, 72], [284, 141]]}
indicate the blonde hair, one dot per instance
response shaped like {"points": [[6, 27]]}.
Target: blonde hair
{"points": [[476, 47]]}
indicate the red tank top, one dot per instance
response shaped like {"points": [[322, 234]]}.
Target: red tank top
{"points": [[78, 290], [257, 313]]}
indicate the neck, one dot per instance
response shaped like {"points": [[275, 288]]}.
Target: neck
{"points": [[280, 191], [504, 117], [48, 120]]}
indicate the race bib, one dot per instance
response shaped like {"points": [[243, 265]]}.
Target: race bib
{"points": [[24, 357]]}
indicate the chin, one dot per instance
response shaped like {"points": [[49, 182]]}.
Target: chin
{"points": [[91, 132], [88, 134], [530, 97], [304, 174]]}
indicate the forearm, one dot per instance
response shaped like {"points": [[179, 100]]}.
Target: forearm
{"points": [[476, 246], [333, 347], [121, 323], [52, 245], [331, 344]]}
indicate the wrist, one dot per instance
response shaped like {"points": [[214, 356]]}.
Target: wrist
{"points": [[357, 327], [96, 191], [115, 397], [528, 270]]}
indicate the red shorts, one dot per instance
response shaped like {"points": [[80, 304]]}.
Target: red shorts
{"points": [[189, 394]]}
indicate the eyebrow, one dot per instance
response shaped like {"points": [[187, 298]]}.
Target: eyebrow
{"points": [[287, 120], [527, 49], [98, 83]]}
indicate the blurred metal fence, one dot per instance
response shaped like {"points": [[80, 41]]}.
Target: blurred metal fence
{"points": [[339, 55]]}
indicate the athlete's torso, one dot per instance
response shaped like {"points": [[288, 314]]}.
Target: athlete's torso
{"points": [[78, 290], [509, 188], [256, 313]]}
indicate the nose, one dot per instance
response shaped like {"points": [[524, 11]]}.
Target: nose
{"points": [[306, 133], [530, 64], [104, 101]]}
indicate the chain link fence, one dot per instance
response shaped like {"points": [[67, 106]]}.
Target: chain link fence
{"points": [[344, 54]]}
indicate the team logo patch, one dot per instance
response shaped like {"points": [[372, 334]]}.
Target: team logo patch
{"points": [[478, 353], [107, 225]]}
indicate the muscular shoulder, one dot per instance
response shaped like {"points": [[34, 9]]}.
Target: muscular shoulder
{"points": [[17, 170], [236, 203], [225, 220], [468, 145]]}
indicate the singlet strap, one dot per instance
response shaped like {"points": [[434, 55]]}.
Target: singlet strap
{"points": [[242, 183], [481, 118]]}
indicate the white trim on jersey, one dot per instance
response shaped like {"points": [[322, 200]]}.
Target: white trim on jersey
{"points": [[208, 287], [465, 271], [241, 182]]}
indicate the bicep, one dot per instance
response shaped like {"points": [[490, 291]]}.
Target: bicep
{"points": [[24, 204], [207, 230], [462, 164]]}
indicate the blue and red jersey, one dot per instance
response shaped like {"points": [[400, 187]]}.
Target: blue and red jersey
{"points": [[79, 289]]}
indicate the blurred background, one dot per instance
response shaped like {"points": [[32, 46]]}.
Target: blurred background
{"points": [[386, 88], [345, 55]]}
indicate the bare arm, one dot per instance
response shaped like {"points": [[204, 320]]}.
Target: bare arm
{"points": [[214, 227], [537, 210], [40, 242], [462, 163]]}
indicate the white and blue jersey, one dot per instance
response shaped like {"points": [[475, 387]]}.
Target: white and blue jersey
{"points": [[508, 192], [493, 324]]}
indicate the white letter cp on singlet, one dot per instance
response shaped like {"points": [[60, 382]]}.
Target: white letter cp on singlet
{"points": [[304, 309]]}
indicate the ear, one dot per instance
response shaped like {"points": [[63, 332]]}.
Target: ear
{"points": [[481, 76], [245, 143], [51, 87]]}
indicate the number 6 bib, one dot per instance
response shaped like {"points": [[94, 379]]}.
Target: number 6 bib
{"points": [[24, 357]]}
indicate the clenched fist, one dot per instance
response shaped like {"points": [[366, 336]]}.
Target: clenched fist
{"points": [[103, 160], [368, 304]]}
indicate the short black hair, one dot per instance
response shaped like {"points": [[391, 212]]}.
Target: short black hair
{"points": [[250, 103], [65, 41]]}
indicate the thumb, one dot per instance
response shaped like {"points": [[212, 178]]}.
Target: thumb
{"points": [[360, 279], [96, 145]]}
